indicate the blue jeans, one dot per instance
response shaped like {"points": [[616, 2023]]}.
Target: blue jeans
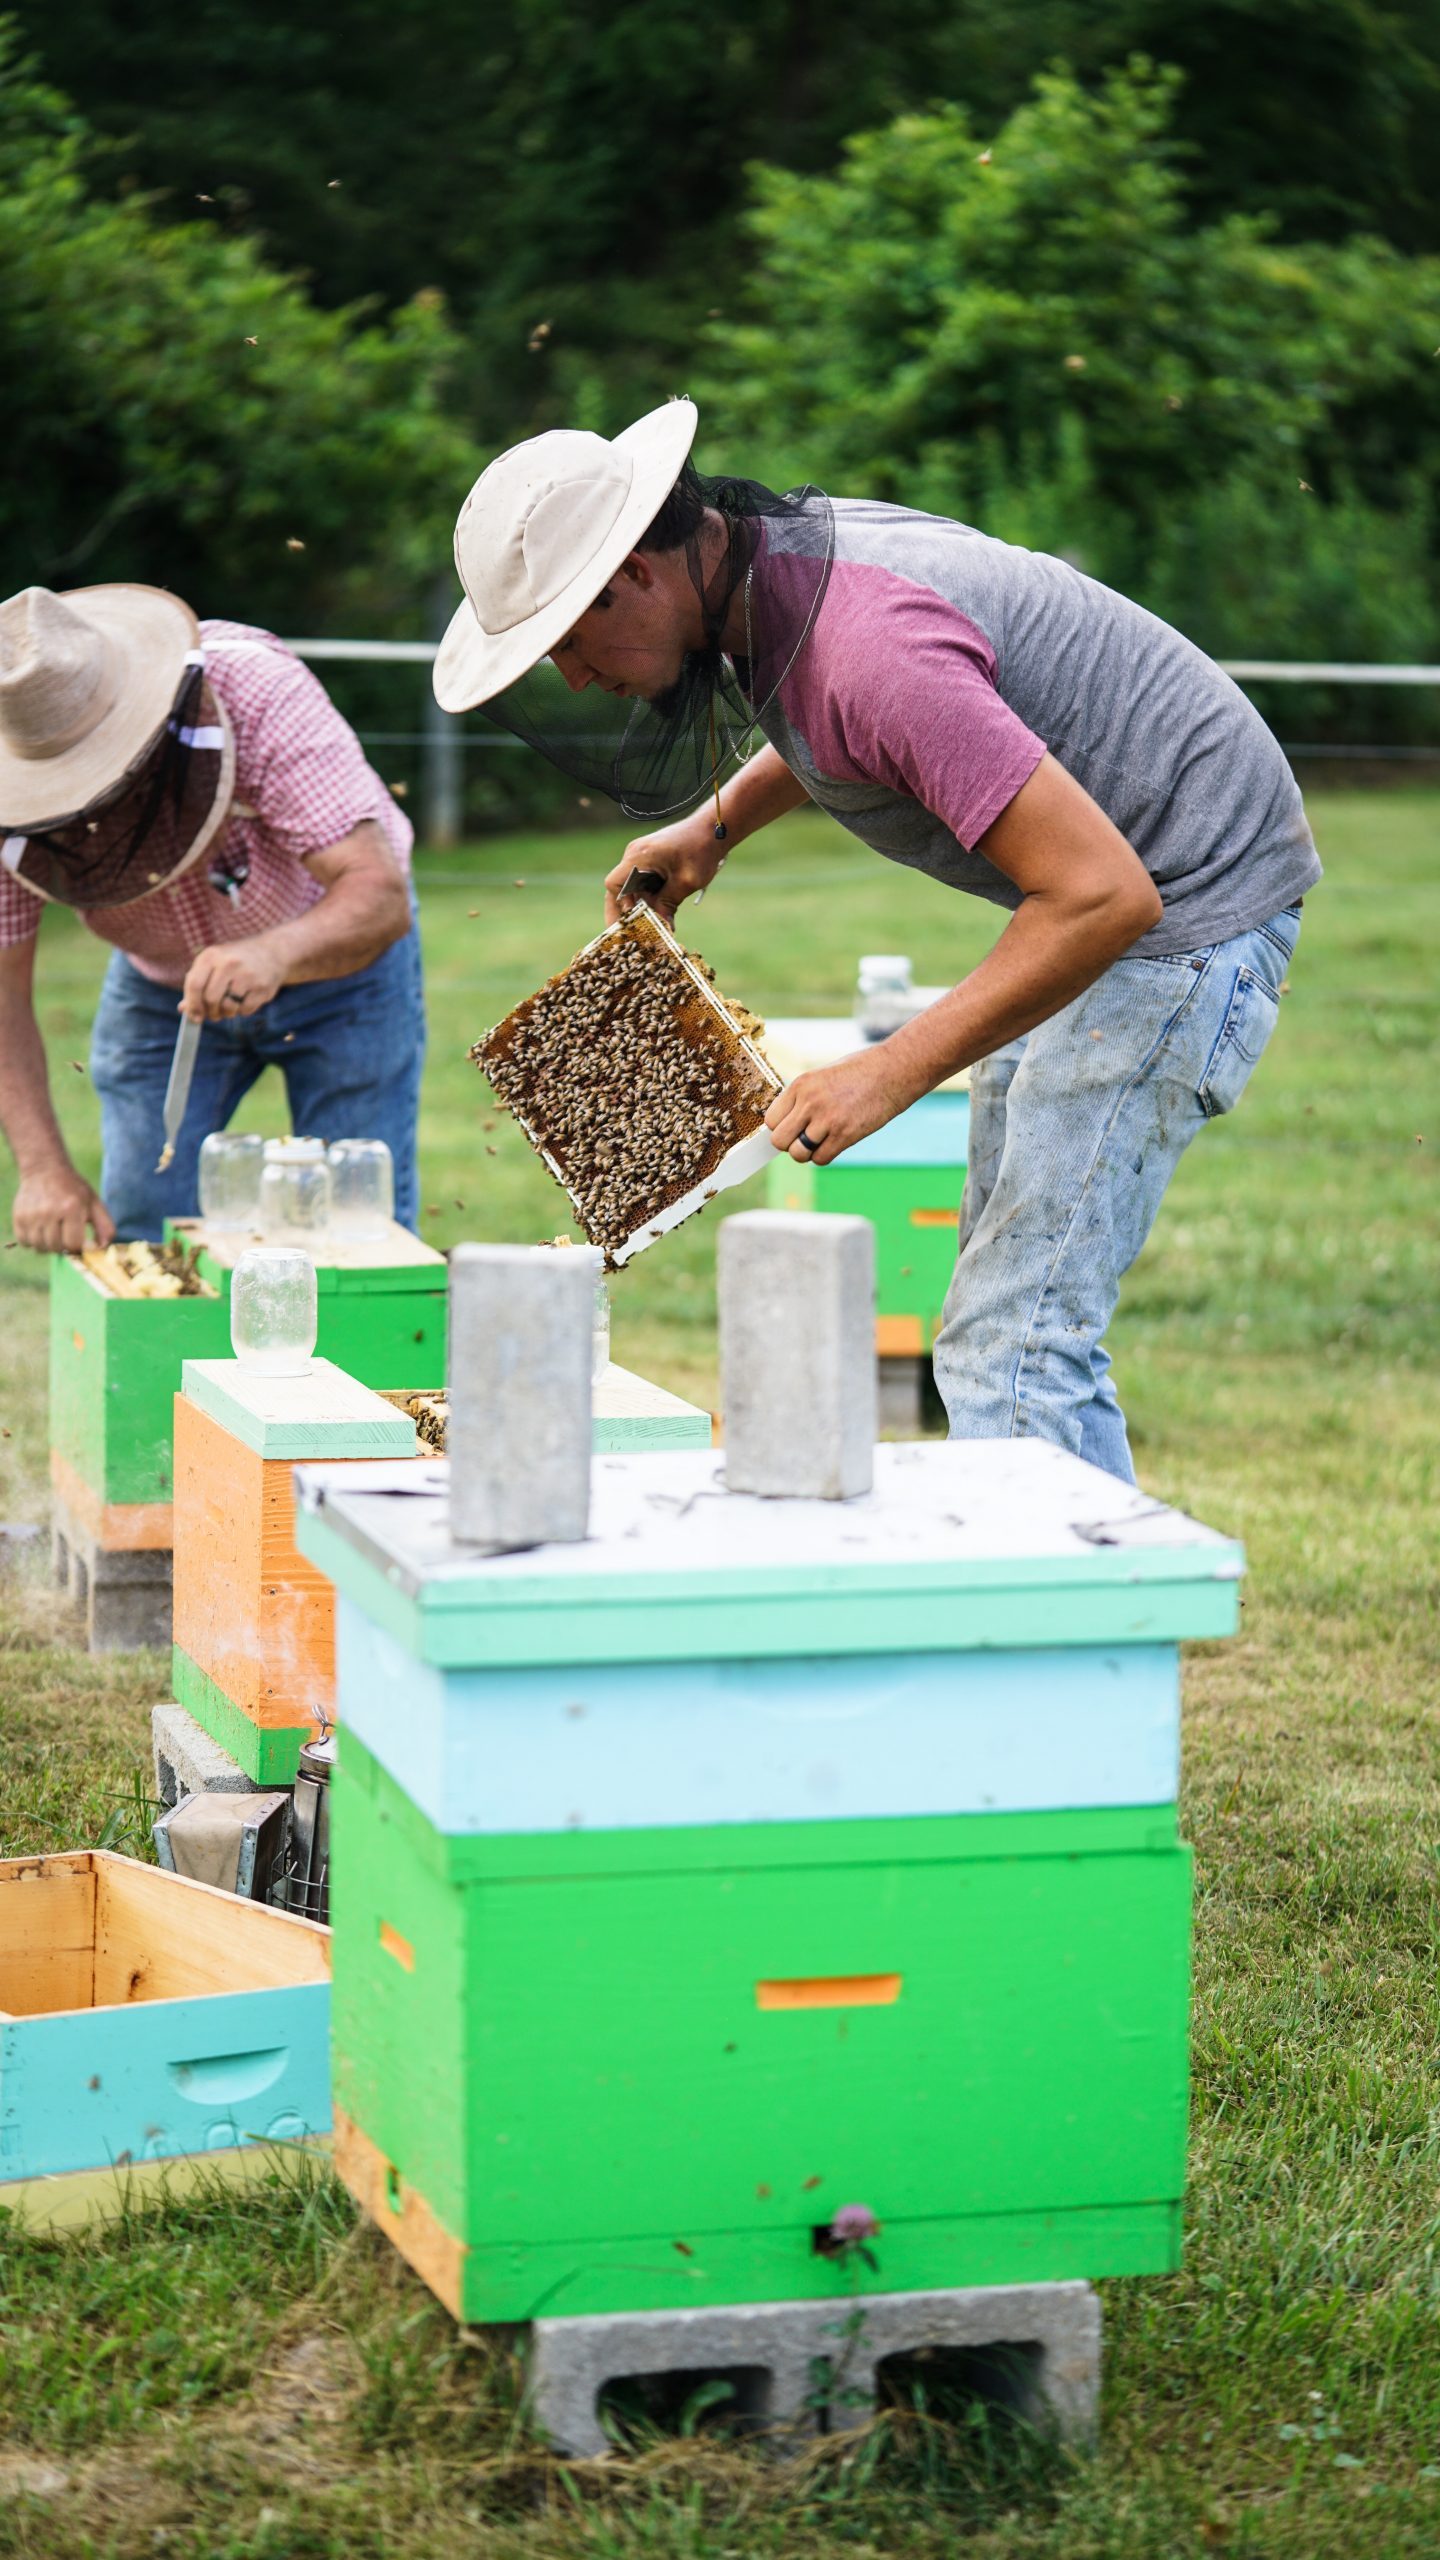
{"points": [[1074, 1133], [350, 1050]]}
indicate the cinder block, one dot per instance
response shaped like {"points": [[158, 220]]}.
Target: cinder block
{"points": [[19, 1541], [797, 1361], [901, 1379], [521, 1326], [124, 1592], [188, 1763], [804, 2365]]}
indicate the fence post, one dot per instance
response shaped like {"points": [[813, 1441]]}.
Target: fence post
{"points": [[442, 796]]}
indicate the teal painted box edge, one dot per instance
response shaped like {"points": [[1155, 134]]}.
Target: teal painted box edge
{"points": [[651, 1621], [552, 1857], [162, 2079], [643, 1745]]}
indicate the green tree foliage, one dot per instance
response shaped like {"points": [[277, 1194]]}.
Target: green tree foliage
{"points": [[179, 411], [578, 172], [1036, 334]]}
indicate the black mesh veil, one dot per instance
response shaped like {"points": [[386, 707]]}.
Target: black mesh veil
{"points": [[150, 825], [746, 547]]}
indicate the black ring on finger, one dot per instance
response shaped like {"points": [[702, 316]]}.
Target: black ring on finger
{"points": [[807, 1142]]}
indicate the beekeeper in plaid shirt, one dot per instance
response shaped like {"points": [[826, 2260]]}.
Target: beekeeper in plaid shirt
{"points": [[190, 790]]}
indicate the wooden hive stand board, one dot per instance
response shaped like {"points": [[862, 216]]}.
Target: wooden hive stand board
{"points": [[115, 1366], [629, 1412], [633, 1413], [254, 1622], [652, 2087], [381, 1305], [77, 2199], [147, 2016]]}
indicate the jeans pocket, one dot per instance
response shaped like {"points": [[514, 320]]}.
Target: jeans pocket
{"points": [[1250, 1017]]}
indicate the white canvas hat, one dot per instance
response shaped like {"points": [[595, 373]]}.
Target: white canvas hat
{"points": [[544, 529], [87, 681]]}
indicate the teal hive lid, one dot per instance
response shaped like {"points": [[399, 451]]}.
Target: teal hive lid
{"points": [[959, 1545]]}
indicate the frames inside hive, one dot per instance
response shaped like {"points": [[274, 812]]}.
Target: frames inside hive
{"points": [[635, 1081]]}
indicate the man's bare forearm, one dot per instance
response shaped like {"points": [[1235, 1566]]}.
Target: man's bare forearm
{"points": [[1042, 961], [344, 931], [762, 790], [365, 907]]}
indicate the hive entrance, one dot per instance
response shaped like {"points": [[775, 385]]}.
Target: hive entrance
{"points": [[635, 1081]]}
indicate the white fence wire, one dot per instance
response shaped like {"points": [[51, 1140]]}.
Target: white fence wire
{"points": [[444, 742]]}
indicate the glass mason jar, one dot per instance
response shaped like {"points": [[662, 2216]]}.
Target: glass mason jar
{"points": [[230, 1167], [362, 1188], [295, 1191], [273, 1311], [884, 997]]}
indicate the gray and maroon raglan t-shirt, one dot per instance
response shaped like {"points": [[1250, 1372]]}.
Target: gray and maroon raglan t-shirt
{"points": [[942, 664]]}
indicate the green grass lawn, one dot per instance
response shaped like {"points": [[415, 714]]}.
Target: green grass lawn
{"points": [[256, 2379]]}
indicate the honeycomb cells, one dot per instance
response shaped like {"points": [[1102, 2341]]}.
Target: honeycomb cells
{"points": [[630, 1075]]}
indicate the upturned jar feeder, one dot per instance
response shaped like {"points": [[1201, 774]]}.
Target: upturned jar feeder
{"points": [[273, 1311]]}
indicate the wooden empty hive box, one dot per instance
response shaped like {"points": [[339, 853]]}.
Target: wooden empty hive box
{"points": [[751, 1859], [145, 2019]]}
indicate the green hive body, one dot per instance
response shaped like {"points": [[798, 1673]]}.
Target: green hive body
{"points": [[906, 1179], [114, 1371], [598, 2051], [380, 1315]]}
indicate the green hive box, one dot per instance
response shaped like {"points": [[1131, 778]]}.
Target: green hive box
{"points": [[381, 1306], [906, 1178], [114, 1372], [755, 1859]]}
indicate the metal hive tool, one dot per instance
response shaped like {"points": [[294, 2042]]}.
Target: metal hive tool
{"points": [[638, 1085]]}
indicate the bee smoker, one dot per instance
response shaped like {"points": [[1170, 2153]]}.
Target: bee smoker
{"points": [[307, 1865]]}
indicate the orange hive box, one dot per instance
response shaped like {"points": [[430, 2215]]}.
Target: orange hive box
{"points": [[254, 1658]]}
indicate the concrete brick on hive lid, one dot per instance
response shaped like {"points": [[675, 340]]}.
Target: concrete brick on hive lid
{"points": [[642, 1089]]}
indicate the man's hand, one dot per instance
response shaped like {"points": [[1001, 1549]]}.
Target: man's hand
{"points": [[687, 856], [835, 1106], [228, 979], [54, 1207]]}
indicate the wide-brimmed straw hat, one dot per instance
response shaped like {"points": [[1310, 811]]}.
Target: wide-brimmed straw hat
{"points": [[87, 683], [542, 532]]}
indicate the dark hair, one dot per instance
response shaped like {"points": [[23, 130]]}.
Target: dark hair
{"points": [[680, 518]]}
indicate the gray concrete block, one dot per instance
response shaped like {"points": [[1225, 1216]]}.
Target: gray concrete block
{"points": [[188, 1762], [901, 1378], [124, 1592], [809, 2367], [20, 1540], [521, 1323], [1037, 2344], [797, 1353]]}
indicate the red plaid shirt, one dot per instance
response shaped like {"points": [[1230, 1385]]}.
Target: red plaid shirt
{"points": [[301, 783]]}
